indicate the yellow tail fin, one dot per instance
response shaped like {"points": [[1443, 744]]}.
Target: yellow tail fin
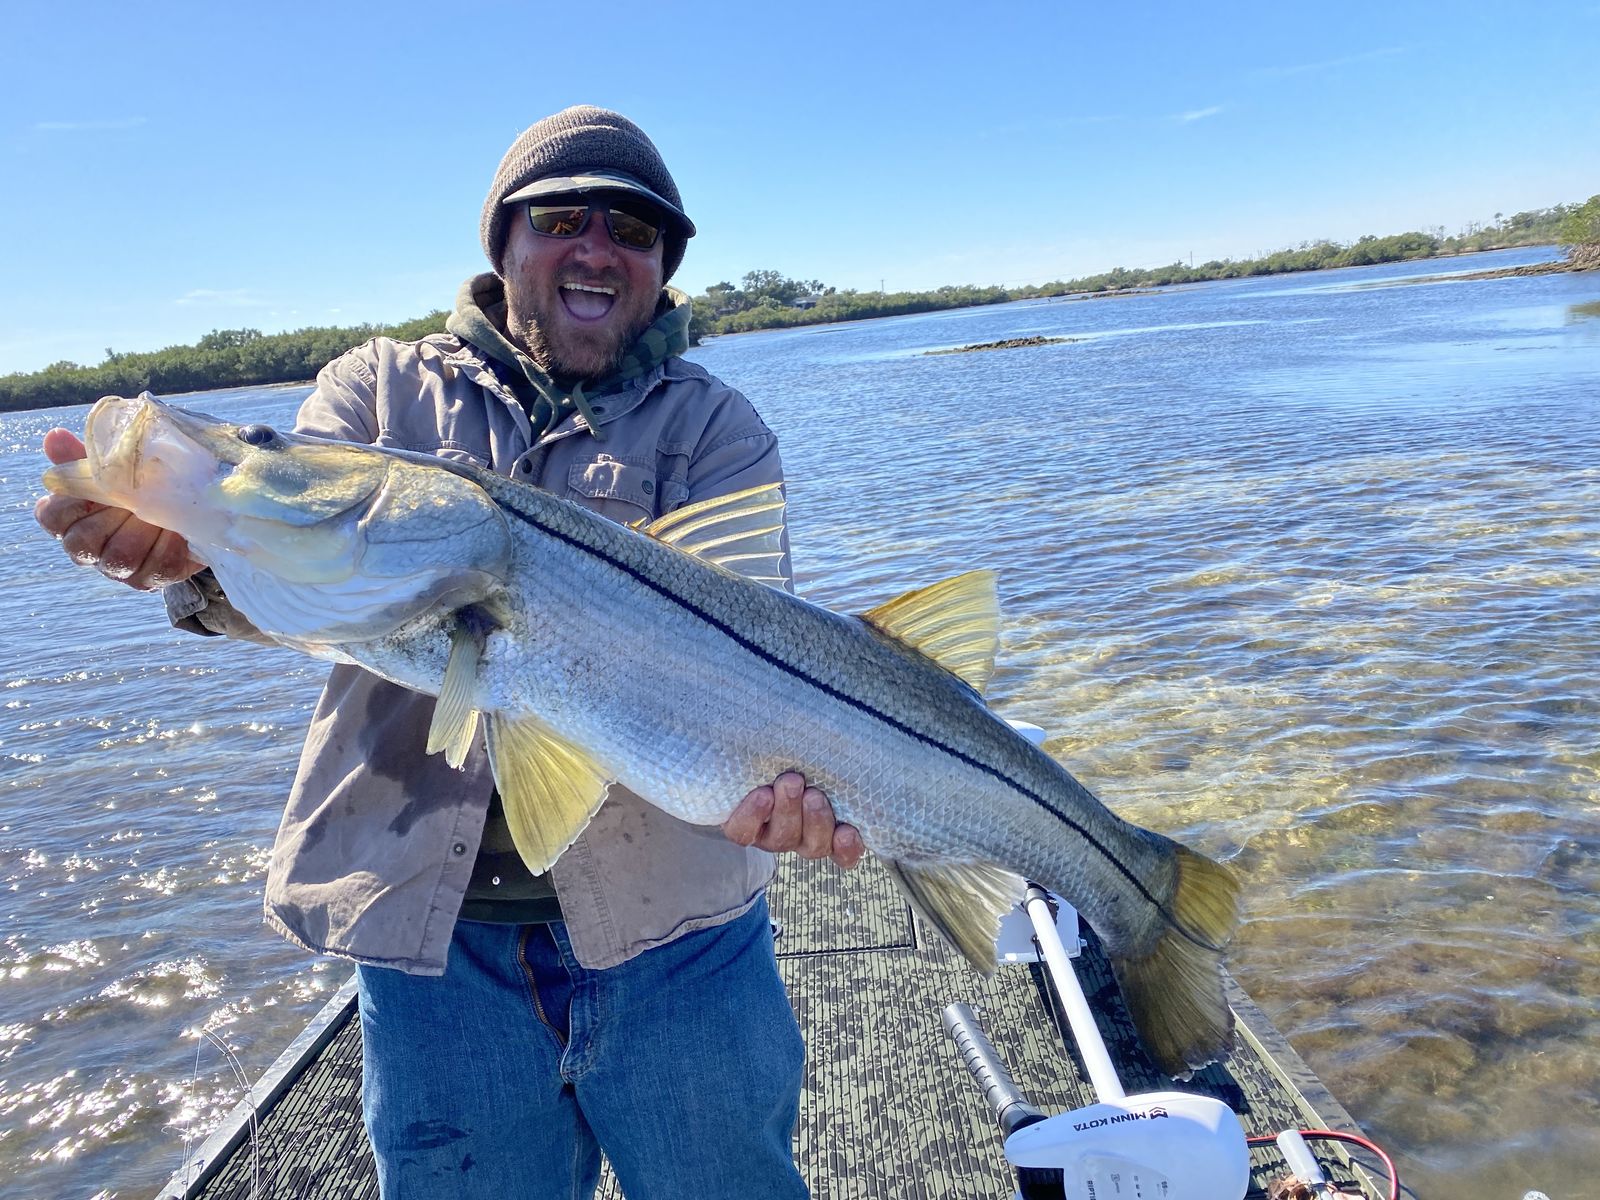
{"points": [[1174, 993]]}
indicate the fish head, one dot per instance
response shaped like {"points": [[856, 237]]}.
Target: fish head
{"points": [[318, 542]]}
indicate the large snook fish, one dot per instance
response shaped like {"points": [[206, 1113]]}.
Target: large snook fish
{"points": [[505, 601]]}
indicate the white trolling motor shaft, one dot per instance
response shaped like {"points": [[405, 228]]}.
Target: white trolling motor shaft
{"points": [[1157, 1145], [1091, 1047]]}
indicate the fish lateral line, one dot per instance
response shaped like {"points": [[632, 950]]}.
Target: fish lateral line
{"points": [[861, 706]]}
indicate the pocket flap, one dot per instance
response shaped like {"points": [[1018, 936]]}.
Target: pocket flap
{"points": [[609, 478]]}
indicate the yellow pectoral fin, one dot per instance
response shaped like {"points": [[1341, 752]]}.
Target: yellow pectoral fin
{"points": [[955, 622], [550, 788]]}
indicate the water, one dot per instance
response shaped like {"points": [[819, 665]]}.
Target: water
{"points": [[1302, 570]]}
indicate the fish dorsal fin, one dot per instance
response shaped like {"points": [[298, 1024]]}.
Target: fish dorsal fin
{"points": [[550, 788], [742, 531], [455, 721], [964, 901], [955, 622]]}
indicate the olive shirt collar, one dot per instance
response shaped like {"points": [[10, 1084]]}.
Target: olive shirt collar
{"points": [[479, 319]]}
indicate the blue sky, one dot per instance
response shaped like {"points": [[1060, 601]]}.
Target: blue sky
{"points": [[175, 168]]}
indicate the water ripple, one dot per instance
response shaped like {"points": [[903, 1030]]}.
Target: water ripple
{"points": [[1304, 572]]}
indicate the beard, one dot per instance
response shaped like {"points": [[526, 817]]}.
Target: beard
{"points": [[537, 319]]}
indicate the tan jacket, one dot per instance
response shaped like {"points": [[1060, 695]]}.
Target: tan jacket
{"points": [[378, 839]]}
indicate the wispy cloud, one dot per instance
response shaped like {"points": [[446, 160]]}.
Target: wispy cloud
{"points": [[88, 126], [1198, 114], [1329, 64], [222, 298]]}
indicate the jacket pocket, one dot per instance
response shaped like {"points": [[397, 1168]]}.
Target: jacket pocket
{"points": [[614, 487]]}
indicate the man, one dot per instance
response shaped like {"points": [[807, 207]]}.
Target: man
{"points": [[516, 1025]]}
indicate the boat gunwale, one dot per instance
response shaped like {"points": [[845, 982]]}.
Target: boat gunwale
{"points": [[217, 1151]]}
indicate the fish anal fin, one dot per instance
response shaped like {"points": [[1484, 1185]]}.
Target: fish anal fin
{"points": [[742, 531], [549, 787], [955, 622], [1175, 993], [964, 901], [455, 721]]}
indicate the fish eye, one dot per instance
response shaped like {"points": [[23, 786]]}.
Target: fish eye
{"points": [[257, 435]]}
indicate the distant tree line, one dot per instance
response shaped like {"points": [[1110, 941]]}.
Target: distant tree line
{"points": [[222, 358], [769, 301], [727, 309], [766, 300]]}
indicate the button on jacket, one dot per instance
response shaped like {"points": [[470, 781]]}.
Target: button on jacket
{"points": [[378, 838]]}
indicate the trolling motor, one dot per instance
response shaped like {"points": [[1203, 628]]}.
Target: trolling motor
{"points": [[1153, 1146]]}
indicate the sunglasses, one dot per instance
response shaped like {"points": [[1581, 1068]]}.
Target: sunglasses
{"points": [[634, 227]]}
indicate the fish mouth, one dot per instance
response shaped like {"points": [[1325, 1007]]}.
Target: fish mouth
{"points": [[114, 429], [139, 448]]}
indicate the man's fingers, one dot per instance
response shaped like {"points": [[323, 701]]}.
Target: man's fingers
{"points": [[789, 816], [785, 825], [170, 561], [62, 446], [86, 539], [57, 514], [146, 556], [122, 547], [749, 817], [847, 846], [113, 540], [817, 825], [127, 548]]}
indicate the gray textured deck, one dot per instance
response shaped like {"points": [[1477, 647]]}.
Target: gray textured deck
{"points": [[887, 1110]]}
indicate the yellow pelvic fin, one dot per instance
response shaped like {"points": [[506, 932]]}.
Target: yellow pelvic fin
{"points": [[955, 622], [742, 531], [455, 721], [550, 788], [1175, 993], [964, 901]]}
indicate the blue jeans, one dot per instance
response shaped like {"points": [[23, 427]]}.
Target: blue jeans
{"points": [[505, 1078]]}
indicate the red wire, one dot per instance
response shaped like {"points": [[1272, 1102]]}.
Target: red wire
{"points": [[1330, 1135]]}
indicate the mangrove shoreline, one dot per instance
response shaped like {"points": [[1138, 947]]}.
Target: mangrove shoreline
{"points": [[231, 358]]}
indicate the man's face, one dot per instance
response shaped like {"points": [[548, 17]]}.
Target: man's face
{"points": [[576, 304]]}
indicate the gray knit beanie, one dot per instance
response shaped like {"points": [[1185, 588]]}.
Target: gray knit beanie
{"points": [[579, 140]]}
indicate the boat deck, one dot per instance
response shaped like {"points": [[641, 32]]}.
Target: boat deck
{"points": [[887, 1110]]}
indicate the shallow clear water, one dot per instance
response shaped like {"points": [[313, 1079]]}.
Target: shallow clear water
{"points": [[1301, 570]]}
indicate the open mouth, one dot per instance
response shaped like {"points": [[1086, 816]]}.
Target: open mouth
{"points": [[114, 429], [142, 455], [586, 301]]}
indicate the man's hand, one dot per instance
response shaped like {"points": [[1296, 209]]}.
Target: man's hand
{"points": [[788, 815], [112, 540]]}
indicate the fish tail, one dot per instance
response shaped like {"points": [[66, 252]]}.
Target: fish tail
{"points": [[1174, 991]]}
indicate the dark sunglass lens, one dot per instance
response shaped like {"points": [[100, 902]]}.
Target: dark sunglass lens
{"points": [[635, 232], [563, 221]]}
